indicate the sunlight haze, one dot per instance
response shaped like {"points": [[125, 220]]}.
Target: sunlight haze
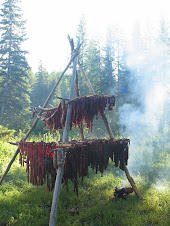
{"points": [[49, 23]]}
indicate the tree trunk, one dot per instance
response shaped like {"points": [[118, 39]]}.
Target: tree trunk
{"points": [[7, 77]]}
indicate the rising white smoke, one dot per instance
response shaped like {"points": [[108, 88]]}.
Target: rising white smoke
{"points": [[147, 123]]}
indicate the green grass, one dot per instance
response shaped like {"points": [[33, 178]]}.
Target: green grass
{"points": [[24, 204]]}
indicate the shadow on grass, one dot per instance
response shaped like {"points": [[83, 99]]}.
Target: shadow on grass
{"points": [[24, 204], [21, 203]]}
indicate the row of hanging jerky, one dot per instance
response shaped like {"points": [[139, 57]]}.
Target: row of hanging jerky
{"points": [[94, 153], [39, 162], [83, 108]]}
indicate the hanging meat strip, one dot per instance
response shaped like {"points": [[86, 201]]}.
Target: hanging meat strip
{"points": [[92, 152], [39, 159], [83, 108]]}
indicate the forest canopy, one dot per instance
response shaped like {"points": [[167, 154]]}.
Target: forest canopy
{"points": [[112, 67]]}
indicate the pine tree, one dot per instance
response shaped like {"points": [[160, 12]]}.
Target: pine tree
{"points": [[81, 35], [13, 65], [124, 80], [40, 89], [108, 80], [93, 65], [163, 31], [121, 77]]}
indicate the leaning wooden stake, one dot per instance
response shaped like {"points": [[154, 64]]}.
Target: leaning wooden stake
{"points": [[93, 93], [50, 95], [36, 120], [53, 216], [131, 181]]}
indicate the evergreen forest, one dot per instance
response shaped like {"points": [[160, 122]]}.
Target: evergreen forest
{"points": [[110, 66], [136, 71]]}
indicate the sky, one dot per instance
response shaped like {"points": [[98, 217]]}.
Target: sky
{"points": [[49, 23]]}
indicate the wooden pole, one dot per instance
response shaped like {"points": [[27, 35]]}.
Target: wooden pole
{"points": [[36, 120], [74, 99], [93, 93], [54, 208], [86, 79], [9, 165], [78, 95], [131, 181], [58, 145], [49, 97]]}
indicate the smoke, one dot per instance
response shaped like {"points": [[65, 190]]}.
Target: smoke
{"points": [[146, 120]]}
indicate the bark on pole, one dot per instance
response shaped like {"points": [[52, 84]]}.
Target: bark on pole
{"points": [[78, 95], [131, 181], [36, 120], [93, 93], [54, 208]]}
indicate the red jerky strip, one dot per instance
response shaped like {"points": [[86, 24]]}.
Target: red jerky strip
{"points": [[94, 153], [39, 162], [82, 108]]}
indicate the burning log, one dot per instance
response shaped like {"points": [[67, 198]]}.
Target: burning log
{"points": [[122, 193], [94, 153]]}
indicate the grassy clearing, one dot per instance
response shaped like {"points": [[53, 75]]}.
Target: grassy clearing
{"points": [[24, 204]]}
